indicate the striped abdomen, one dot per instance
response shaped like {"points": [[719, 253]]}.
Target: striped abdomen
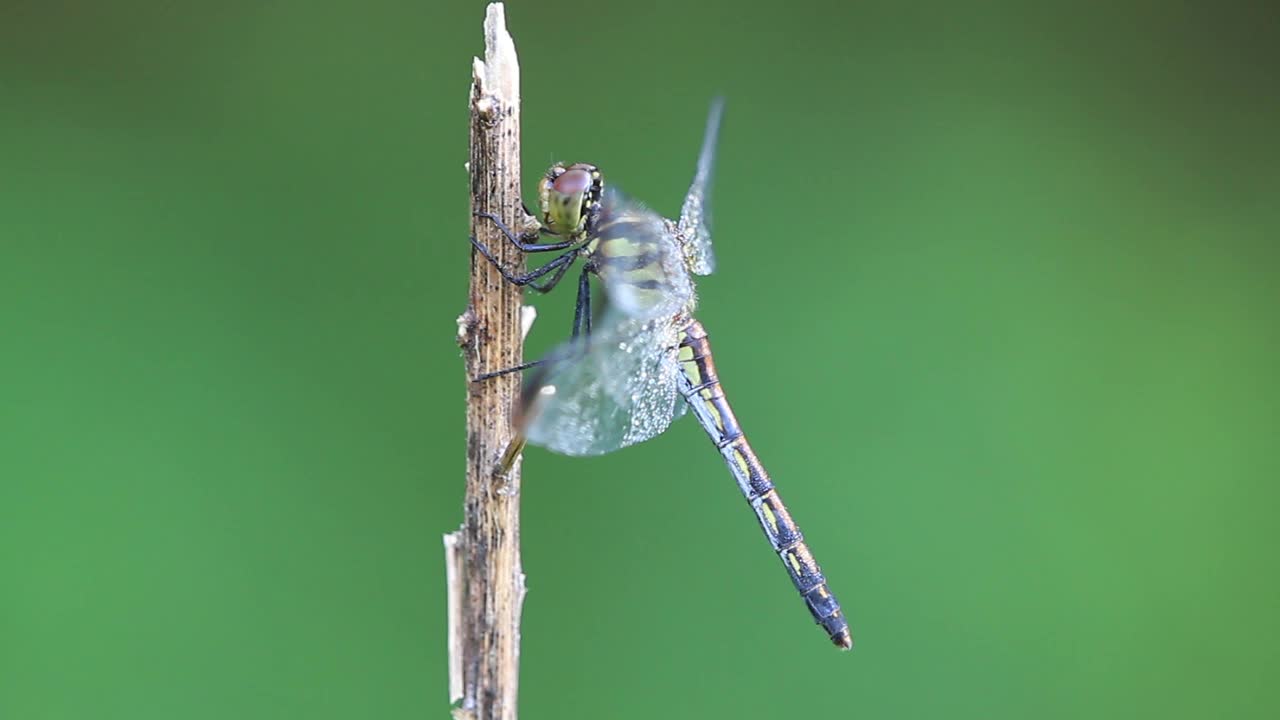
{"points": [[701, 387]]}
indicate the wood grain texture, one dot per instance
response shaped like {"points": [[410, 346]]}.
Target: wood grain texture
{"points": [[487, 582]]}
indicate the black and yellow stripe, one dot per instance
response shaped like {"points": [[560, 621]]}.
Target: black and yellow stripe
{"points": [[701, 387], [633, 254]]}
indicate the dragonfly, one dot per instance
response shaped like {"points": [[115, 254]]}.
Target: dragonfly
{"points": [[625, 378]]}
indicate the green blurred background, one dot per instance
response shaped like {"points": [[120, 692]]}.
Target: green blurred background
{"points": [[996, 301]]}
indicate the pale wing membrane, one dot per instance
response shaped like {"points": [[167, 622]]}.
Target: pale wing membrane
{"points": [[695, 216], [639, 260], [615, 389]]}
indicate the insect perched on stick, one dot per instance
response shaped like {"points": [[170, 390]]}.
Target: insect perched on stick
{"points": [[623, 377]]}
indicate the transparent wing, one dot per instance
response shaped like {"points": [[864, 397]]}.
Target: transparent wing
{"points": [[695, 216], [639, 259], [615, 389]]}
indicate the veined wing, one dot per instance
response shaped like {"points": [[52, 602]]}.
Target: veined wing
{"points": [[600, 393], [695, 216], [639, 259]]}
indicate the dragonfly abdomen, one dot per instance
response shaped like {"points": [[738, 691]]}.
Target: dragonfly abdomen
{"points": [[701, 387]]}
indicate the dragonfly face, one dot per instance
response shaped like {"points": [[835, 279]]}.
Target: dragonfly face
{"points": [[570, 198]]}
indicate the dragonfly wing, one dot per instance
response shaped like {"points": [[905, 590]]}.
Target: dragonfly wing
{"points": [[596, 395], [695, 215], [639, 260]]}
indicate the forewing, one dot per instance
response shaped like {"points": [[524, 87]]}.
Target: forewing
{"points": [[639, 260], [615, 389], [695, 216]]}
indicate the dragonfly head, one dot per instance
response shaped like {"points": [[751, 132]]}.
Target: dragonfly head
{"points": [[570, 198]]}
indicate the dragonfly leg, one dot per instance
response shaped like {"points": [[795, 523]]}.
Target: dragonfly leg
{"points": [[551, 283], [507, 371], [522, 244], [560, 264], [582, 308], [581, 325]]}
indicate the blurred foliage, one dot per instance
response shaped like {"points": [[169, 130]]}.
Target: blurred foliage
{"points": [[996, 301]]}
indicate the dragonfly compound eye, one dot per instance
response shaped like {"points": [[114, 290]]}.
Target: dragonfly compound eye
{"points": [[563, 205], [572, 182]]}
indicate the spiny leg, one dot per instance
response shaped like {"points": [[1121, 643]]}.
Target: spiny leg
{"points": [[581, 326], [525, 246], [550, 284], [582, 308], [508, 371], [560, 264]]}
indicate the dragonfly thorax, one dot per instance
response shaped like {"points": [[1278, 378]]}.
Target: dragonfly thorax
{"points": [[570, 198]]}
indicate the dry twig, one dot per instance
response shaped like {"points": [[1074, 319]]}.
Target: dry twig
{"points": [[486, 581]]}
